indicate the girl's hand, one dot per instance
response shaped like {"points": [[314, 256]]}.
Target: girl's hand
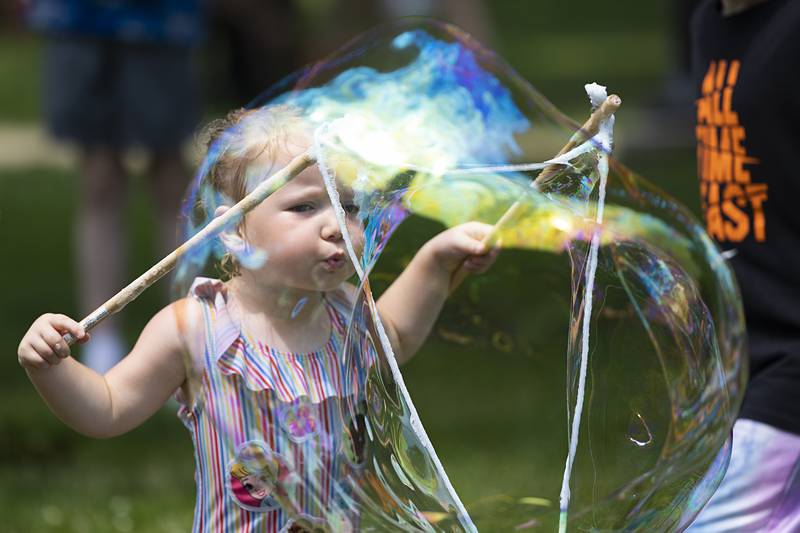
{"points": [[43, 345], [463, 244]]}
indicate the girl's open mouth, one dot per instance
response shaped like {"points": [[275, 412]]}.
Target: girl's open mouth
{"points": [[333, 263]]}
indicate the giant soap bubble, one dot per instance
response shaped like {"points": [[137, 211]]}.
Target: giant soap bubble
{"points": [[590, 378]]}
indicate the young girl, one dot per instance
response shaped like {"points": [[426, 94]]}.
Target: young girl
{"points": [[267, 423]]}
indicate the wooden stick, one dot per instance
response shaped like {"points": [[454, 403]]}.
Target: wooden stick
{"points": [[160, 269], [117, 302], [585, 132]]}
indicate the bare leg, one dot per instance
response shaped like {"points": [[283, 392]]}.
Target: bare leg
{"points": [[101, 247]]}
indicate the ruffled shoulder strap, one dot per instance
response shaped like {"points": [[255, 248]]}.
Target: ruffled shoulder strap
{"points": [[224, 330], [219, 333]]}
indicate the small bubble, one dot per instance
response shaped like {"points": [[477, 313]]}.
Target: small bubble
{"points": [[454, 337], [299, 306], [638, 432], [502, 341]]}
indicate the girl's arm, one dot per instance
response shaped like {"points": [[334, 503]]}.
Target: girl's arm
{"points": [[410, 306], [128, 394]]}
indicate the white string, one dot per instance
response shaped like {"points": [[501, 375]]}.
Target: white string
{"points": [[596, 94], [414, 420], [333, 194]]}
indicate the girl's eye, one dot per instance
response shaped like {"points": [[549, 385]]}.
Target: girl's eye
{"points": [[301, 208], [350, 209]]}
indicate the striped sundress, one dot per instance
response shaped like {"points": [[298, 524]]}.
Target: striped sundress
{"points": [[270, 429]]}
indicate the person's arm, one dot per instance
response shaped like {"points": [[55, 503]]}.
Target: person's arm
{"points": [[108, 405], [410, 306]]}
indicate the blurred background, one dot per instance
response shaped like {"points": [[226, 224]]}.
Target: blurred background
{"points": [[52, 479]]}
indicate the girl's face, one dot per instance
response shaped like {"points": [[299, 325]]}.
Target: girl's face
{"points": [[297, 228]]}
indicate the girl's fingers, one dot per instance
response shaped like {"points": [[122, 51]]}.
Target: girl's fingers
{"points": [[65, 324], [43, 350], [57, 343], [481, 263], [477, 230], [476, 233], [468, 244], [461, 243], [476, 266], [34, 361], [43, 345], [493, 252]]}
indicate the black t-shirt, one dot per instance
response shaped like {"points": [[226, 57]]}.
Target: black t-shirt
{"points": [[747, 73]]}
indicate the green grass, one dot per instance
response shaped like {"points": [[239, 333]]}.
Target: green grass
{"points": [[52, 479], [20, 76]]}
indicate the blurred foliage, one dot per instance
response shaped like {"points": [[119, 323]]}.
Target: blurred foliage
{"points": [[19, 77]]}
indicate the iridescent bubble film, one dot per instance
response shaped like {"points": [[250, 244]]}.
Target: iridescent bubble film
{"points": [[589, 380]]}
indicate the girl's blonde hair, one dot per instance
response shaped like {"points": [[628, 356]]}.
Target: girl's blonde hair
{"points": [[234, 142]]}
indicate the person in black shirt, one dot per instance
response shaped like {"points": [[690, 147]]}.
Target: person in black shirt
{"points": [[746, 66]]}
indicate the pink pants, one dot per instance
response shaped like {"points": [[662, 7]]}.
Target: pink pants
{"points": [[761, 489]]}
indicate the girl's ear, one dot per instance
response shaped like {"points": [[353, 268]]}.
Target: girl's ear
{"points": [[232, 242], [249, 257], [221, 210]]}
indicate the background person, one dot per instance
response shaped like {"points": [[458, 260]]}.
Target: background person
{"points": [[746, 66], [118, 75]]}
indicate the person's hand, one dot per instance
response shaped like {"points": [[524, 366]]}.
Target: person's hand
{"points": [[43, 346], [463, 244]]}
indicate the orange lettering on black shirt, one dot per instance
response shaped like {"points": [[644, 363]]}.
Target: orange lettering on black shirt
{"points": [[732, 203]]}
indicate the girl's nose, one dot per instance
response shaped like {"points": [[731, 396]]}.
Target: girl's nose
{"points": [[330, 228], [331, 233]]}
